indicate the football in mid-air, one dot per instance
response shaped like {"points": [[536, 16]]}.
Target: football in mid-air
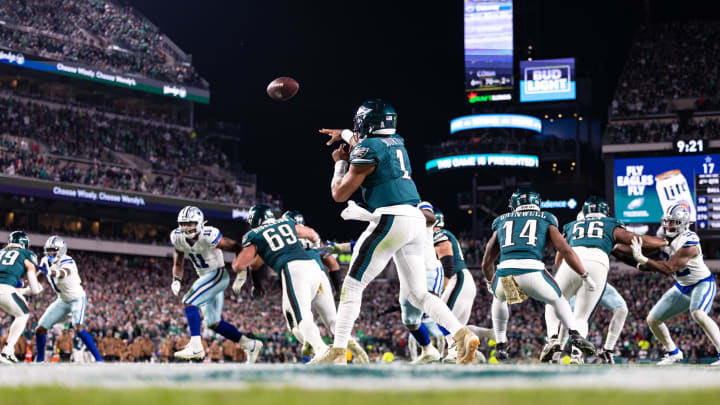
{"points": [[283, 88]]}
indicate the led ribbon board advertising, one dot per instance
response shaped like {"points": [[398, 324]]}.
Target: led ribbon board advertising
{"points": [[483, 160], [480, 121], [78, 71], [547, 80]]}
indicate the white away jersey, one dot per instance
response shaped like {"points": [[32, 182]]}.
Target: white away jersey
{"points": [[696, 269], [431, 261], [203, 253], [69, 287]]}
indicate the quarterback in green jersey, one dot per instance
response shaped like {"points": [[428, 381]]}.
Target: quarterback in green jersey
{"points": [[592, 238], [305, 286], [379, 166], [518, 240], [16, 262]]}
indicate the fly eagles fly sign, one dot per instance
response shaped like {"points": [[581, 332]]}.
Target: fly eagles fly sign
{"points": [[547, 80]]}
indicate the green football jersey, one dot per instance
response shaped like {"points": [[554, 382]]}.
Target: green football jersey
{"points": [[523, 234], [442, 235], [593, 232], [391, 182], [315, 255], [277, 243], [12, 264]]}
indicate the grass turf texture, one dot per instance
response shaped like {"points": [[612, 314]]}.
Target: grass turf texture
{"points": [[268, 396]]}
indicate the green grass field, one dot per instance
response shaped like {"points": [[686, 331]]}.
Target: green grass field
{"points": [[268, 396]]}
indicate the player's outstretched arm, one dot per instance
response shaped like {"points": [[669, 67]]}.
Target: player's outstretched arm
{"points": [[337, 135], [245, 258], [229, 245], [492, 251], [31, 272], [648, 242], [677, 262]]}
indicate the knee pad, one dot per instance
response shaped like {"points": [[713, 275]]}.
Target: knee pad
{"points": [[698, 316]]}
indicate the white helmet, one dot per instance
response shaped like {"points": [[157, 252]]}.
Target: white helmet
{"points": [[191, 221], [676, 220], [55, 248]]}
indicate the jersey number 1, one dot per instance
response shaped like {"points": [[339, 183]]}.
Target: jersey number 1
{"points": [[401, 159]]}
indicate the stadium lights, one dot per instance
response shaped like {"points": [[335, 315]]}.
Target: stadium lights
{"points": [[579, 118], [559, 115], [495, 121]]}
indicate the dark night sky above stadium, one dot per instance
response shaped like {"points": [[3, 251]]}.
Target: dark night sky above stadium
{"points": [[410, 53]]}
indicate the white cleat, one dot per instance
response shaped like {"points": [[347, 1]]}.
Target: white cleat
{"points": [[576, 356], [671, 358], [451, 355], [550, 348], [252, 347], [429, 354], [331, 355], [8, 358], [716, 363], [358, 352], [191, 353]]}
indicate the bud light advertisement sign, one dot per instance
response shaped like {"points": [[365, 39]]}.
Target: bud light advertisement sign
{"points": [[646, 187], [547, 80]]}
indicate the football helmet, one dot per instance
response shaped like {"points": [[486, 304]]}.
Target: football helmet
{"points": [[260, 214], [596, 205], [525, 198], [18, 239], [296, 216], [375, 117], [55, 248], [676, 220], [191, 221]]}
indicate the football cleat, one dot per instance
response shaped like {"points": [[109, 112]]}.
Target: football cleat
{"points": [[501, 351], [451, 355], [480, 358], [8, 358], [671, 358], [307, 350], [583, 344], [331, 355], [550, 348], [191, 353], [576, 356], [716, 363], [253, 347], [429, 354], [467, 343], [607, 357], [358, 352]]}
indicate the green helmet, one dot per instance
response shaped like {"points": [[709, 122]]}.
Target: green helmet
{"points": [[439, 218], [596, 205], [295, 216], [259, 214], [19, 238], [524, 196], [375, 117]]}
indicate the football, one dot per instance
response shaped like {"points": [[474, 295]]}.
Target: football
{"points": [[283, 88]]}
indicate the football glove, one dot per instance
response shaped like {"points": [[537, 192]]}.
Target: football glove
{"points": [[258, 291], [239, 281], [636, 246], [175, 286]]}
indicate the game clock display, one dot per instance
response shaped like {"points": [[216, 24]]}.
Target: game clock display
{"points": [[683, 146]]}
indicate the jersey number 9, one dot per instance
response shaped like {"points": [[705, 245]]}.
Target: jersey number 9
{"points": [[9, 257], [278, 241]]}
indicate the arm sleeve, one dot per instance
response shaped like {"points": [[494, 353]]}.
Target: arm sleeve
{"points": [[448, 265]]}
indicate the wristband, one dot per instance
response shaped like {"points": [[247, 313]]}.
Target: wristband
{"points": [[346, 135], [176, 278], [584, 275]]}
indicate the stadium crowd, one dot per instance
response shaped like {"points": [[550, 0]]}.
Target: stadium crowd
{"points": [[102, 34], [135, 317], [683, 58], [173, 154], [660, 131]]}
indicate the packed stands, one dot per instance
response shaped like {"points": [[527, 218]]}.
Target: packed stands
{"points": [[103, 34]]}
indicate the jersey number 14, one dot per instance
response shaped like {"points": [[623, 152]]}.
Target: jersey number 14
{"points": [[528, 232]]}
